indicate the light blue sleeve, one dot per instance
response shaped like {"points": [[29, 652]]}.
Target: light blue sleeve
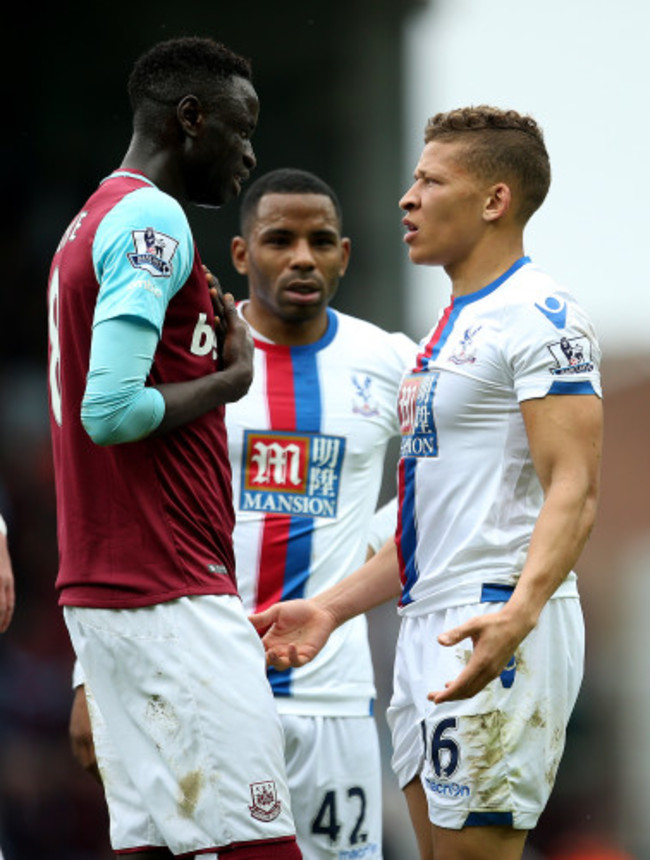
{"points": [[117, 406], [143, 253]]}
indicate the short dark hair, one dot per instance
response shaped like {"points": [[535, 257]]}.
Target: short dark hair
{"points": [[284, 180], [177, 67], [500, 145]]}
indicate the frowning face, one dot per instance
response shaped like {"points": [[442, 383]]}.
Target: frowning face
{"points": [[293, 256], [444, 208]]}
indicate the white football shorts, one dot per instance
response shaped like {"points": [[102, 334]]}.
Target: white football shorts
{"points": [[187, 735], [491, 759], [334, 773]]}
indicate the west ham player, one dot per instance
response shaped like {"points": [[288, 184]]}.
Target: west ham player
{"points": [[307, 447], [498, 480], [189, 743]]}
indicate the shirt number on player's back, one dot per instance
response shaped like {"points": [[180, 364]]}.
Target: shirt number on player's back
{"points": [[326, 822], [55, 350]]}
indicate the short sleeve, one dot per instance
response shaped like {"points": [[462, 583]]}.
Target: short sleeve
{"points": [[552, 348], [143, 253]]}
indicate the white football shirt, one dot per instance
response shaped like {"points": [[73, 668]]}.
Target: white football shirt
{"points": [[468, 493], [307, 447]]}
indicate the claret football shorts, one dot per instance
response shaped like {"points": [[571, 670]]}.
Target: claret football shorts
{"points": [[188, 739], [491, 759]]}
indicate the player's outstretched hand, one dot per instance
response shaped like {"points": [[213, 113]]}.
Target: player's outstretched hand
{"points": [[293, 632], [495, 638]]}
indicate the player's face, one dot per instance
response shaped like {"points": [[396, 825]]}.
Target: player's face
{"points": [[293, 256], [222, 155], [444, 208]]}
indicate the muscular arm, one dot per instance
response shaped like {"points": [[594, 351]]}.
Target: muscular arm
{"points": [[374, 583], [565, 438]]}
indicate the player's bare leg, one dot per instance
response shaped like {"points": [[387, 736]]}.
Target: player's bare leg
{"points": [[419, 813], [470, 843], [478, 843]]}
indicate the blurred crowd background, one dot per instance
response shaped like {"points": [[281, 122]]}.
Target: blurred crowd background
{"points": [[333, 79]]}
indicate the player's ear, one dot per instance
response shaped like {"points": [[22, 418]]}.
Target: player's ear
{"points": [[346, 247], [498, 201], [239, 254], [189, 113]]}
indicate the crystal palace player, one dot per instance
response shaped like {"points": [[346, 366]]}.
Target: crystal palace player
{"points": [[498, 479], [307, 446]]}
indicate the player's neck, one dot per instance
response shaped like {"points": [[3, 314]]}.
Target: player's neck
{"points": [[484, 265], [282, 332], [155, 164]]}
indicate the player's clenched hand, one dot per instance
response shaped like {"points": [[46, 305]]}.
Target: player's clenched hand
{"points": [[237, 346], [293, 632], [234, 340], [7, 592], [81, 736], [216, 294], [495, 638]]}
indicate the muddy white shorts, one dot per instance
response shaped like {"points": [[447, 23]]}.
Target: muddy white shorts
{"points": [[491, 759], [187, 735], [334, 773]]}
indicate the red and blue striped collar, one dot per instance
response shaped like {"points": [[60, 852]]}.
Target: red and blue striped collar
{"points": [[451, 312]]}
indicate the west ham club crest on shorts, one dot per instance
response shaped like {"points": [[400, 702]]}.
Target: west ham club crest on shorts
{"points": [[265, 806]]}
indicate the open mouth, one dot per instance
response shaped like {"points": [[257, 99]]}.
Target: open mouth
{"points": [[411, 229], [302, 292]]}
